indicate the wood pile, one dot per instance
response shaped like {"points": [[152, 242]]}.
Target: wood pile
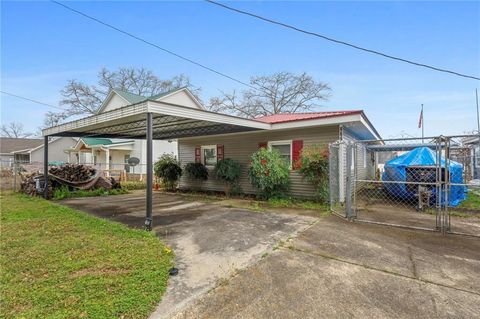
{"points": [[73, 172], [73, 176], [28, 185]]}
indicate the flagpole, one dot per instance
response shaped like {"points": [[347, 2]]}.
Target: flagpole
{"points": [[423, 125]]}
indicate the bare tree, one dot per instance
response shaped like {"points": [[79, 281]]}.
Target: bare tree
{"points": [[14, 130], [281, 92], [84, 99]]}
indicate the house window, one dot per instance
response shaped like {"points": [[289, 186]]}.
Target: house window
{"points": [[284, 148], [477, 156], [209, 155]]}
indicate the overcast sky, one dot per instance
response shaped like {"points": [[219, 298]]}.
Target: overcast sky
{"points": [[43, 45]]}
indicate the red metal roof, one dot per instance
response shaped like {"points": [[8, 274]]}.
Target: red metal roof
{"points": [[291, 117]]}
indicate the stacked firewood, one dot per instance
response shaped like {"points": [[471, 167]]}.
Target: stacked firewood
{"points": [[28, 185], [73, 172], [73, 176]]}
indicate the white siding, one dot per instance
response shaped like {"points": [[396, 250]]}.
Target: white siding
{"points": [[115, 103], [180, 98], [241, 146], [55, 150]]}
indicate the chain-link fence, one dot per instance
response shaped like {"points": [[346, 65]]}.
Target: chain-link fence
{"points": [[11, 173], [428, 183]]}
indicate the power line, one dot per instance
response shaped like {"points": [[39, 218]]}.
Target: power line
{"points": [[152, 44], [32, 100], [339, 41]]}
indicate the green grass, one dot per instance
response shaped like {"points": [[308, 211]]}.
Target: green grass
{"points": [[63, 193], [472, 202], [60, 263]]}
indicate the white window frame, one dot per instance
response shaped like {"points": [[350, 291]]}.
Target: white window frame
{"points": [[282, 142], [202, 154]]}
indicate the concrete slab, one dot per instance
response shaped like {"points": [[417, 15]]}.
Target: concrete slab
{"points": [[292, 284], [338, 269], [211, 242]]}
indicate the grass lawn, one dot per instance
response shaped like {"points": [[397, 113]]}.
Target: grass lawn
{"points": [[60, 263]]}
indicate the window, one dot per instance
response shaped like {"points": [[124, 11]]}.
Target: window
{"points": [[284, 148], [209, 155]]}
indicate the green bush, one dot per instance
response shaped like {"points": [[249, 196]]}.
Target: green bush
{"points": [[269, 173], [133, 185], [168, 169], [228, 171], [63, 192], [196, 171], [314, 168]]}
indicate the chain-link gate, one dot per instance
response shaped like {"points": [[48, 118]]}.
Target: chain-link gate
{"points": [[417, 183]]}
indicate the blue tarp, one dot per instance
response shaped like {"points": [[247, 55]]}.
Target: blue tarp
{"points": [[395, 170]]}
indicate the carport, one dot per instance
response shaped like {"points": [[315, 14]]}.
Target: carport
{"points": [[150, 120]]}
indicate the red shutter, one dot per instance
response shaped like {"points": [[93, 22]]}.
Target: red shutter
{"points": [[262, 145], [220, 155], [297, 147], [198, 156]]}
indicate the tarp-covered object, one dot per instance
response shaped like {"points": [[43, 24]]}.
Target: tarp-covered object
{"points": [[396, 170]]}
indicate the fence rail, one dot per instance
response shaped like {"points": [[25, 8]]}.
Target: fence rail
{"points": [[410, 182]]}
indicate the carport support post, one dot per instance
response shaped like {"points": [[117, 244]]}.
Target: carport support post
{"points": [[148, 221], [45, 166]]}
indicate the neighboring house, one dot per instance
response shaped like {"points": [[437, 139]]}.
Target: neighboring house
{"points": [[16, 149], [469, 156], [113, 154], [289, 133], [56, 150]]}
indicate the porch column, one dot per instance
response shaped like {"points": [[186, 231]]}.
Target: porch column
{"points": [[149, 137], [107, 161], [45, 166], [92, 156]]}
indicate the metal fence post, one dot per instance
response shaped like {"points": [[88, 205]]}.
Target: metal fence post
{"points": [[348, 186], [330, 174]]}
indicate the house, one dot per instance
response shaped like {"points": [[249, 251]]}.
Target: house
{"points": [[16, 149], [469, 155], [288, 134], [113, 154]]}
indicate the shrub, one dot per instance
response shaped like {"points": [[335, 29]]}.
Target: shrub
{"points": [[196, 171], [314, 168], [269, 173], [133, 185], [63, 192], [168, 169], [228, 171]]}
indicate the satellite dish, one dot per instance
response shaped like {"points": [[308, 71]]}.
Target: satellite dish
{"points": [[133, 161]]}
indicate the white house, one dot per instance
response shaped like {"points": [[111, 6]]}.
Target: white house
{"points": [[113, 154]]}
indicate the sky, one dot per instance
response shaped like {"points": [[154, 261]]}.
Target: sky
{"points": [[43, 46]]}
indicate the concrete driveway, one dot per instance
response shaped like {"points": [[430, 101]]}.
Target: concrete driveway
{"points": [[339, 269], [211, 242], [230, 266]]}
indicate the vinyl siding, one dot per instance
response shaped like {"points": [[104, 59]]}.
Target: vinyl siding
{"points": [[240, 147]]}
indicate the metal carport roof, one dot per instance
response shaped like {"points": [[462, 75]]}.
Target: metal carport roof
{"points": [[169, 121], [150, 120]]}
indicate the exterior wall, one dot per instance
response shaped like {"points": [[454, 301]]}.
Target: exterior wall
{"points": [[240, 147], [180, 98], [55, 150], [159, 148], [360, 157], [6, 160], [115, 103]]}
